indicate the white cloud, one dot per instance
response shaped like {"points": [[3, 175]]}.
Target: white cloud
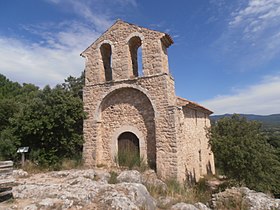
{"points": [[263, 98], [55, 53], [48, 61], [96, 12], [258, 18], [251, 39], [84, 9]]}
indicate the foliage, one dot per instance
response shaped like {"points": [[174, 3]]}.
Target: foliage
{"points": [[8, 89], [243, 153], [113, 177], [49, 121], [75, 85], [8, 144], [130, 159]]}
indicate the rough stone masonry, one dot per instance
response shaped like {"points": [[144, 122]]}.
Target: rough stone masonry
{"points": [[132, 105]]}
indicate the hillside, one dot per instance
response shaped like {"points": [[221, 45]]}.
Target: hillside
{"points": [[269, 121]]}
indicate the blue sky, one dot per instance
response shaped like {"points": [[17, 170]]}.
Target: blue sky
{"points": [[226, 54]]}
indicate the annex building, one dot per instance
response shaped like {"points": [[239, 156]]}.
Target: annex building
{"points": [[133, 106]]}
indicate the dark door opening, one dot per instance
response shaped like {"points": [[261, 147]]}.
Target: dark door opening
{"points": [[128, 150]]}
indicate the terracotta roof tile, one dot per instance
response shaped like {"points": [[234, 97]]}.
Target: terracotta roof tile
{"points": [[184, 102]]}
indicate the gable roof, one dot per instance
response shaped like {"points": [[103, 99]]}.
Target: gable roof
{"points": [[166, 38], [182, 102]]}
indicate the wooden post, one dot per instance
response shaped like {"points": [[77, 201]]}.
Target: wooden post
{"points": [[22, 159], [22, 150]]}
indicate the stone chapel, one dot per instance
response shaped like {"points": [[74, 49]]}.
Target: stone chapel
{"points": [[133, 103]]}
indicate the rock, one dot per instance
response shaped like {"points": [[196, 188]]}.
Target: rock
{"points": [[89, 189], [102, 176], [30, 207], [258, 200], [201, 206], [125, 196], [47, 202], [164, 202], [60, 174], [67, 204], [244, 198], [20, 173], [183, 206], [214, 183], [131, 176], [149, 178]]}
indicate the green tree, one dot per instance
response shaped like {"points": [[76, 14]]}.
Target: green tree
{"points": [[8, 145], [8, 89], [9, 106], [51, 125], [49, 121], [243, 153], [75, 85]]}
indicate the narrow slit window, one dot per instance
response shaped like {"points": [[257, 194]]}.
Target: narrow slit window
{"points": [[106, 52], [136, 55]]}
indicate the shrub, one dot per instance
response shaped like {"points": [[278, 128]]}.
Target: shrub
{"points": [[130, 159], [113, 177], [242, 153]]}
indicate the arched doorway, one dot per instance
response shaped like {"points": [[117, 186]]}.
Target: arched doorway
{"points": [[116, 111], [128, 150]]}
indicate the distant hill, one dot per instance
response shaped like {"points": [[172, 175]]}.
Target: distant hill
{"points": [[267, 120]]}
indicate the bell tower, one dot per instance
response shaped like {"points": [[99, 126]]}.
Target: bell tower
{"points": [[130, 104]]}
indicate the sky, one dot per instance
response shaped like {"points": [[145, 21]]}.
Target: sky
{"points": [[225, 56]]}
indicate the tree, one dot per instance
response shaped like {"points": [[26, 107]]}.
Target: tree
{"points": [[8, 144], [75, 85], [49, 121], [243, 153], [8, 89], [51, 125]]}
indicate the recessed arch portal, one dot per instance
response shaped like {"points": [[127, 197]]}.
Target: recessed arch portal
{"points": [[128, 108]]}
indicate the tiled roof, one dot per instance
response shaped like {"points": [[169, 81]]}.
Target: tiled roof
{"points": [[190, 104]]}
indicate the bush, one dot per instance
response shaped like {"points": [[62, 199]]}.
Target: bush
{"points": [[130, 159], [113, 177], [243, 154], [8, 145]]}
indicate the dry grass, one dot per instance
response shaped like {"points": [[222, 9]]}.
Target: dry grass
{"points": [[66, 164], [199, 192]]}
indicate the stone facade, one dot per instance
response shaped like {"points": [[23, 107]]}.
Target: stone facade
{"points": [[119, 98]]}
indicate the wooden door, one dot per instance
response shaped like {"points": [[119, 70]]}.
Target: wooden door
{"points": [[128, 148]]}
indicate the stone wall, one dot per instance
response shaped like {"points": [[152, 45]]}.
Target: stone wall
{"points": [[122, 109], [118, 99], [141, 103], [154, 53], [195, 157]]}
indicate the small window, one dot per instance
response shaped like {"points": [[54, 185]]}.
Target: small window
{"points": [[136, 56], [106, 53]]}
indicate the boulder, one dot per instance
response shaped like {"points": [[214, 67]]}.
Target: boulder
{"points": [[30, 207], [201, 206], [20, 173], [125, 196], [183, 206], [244, 198], [149, 178], [83, 189], [131, 176]]}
